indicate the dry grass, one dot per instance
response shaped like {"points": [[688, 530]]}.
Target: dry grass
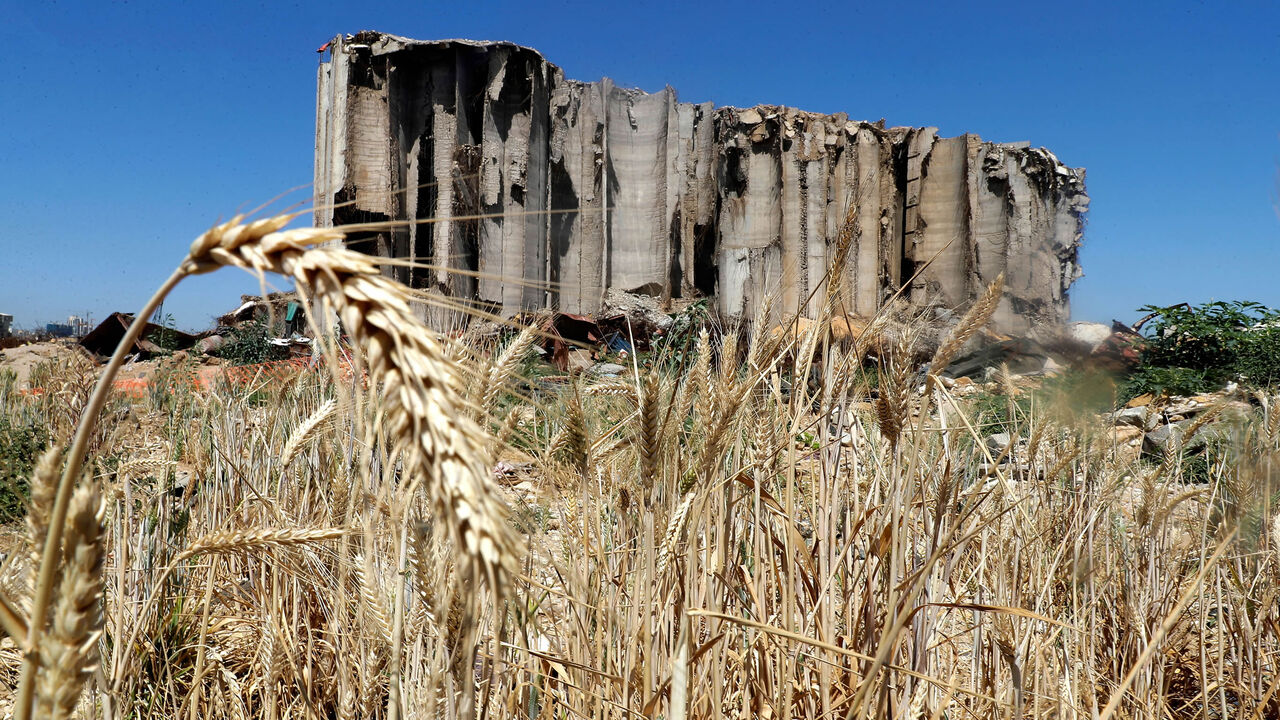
{"points": [[722, 539]]}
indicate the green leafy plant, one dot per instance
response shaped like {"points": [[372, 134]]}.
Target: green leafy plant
{"points": [[996, 412], [166, 338], [20, 447], [250, 344], [1191, 349], [675, 348]]}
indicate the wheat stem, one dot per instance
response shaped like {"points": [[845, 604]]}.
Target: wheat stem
{"points": [[75, 460]]}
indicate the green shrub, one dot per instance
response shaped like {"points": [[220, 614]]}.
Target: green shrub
{"points": [[166, 337], [675, 349], [1170, 381], [995, 412], [250, 344], [20, 447], [1191, 349]]}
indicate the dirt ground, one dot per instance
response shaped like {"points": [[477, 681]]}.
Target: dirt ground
{"points": [[22, 359]]}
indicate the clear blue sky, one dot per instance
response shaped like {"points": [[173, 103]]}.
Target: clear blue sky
{"points": [[128, 128]]}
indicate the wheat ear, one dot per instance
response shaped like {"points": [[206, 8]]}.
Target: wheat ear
{"points": [[424, 410], [374, 607], [894, 399], [504, 368], [615, 388], [972, 321], [696, 386], [44, 486], [675, 527], [304, 433], [69, 648], [759, 346], [844, 242], [650, 445], [244, 541], [573, 443]]}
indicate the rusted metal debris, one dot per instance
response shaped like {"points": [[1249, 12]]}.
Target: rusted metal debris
{"points": [[154, 340]]}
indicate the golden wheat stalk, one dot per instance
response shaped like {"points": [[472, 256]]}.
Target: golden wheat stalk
{"points": [[442, 446], [649, 447], [44, 487], [305, 432], [505, 367], [375, 608], [675, 528], [423, 409], [893, 402], [572, 445], [978, 315], [844, 242], [69, 649], [697, 386], [615, 388], [245, 541], [758, 342], [509, 426]]}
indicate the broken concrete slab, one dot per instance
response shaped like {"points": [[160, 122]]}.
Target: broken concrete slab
{"points": [[525, 190], [1134, 416], [642, 311], [1088, 335], [608, 369]]}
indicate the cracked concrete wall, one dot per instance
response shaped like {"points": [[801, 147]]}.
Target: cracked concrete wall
{"points": [[521, 189]]}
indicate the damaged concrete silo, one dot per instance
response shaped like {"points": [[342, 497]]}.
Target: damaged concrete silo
{"points": [[525, 190]]}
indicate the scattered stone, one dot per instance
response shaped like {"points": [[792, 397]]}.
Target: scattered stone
{"points": [[1125, 434], [1135, 416], [1141, 401], [1159, 439], [1186, 408], [1089, 334], [579, 361], [210, 344], [608, 369], [998, 442]]}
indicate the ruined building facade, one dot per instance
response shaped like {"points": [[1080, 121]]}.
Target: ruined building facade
{"points": [[528, 190]]}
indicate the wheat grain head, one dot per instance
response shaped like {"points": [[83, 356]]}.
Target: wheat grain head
{"points": [[972, 321], [423, 406], [69, 649]]}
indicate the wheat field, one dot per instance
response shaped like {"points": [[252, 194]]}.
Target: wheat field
{"points": [[765, 526]]}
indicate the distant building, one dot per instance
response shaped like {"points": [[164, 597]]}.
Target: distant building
{"points": [[79, 325], [75, 326], [6, 325]]}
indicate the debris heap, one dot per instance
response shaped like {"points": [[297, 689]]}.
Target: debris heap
{"points": [[548, 192]]}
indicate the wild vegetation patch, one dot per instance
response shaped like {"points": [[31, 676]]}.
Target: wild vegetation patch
{"points": [[719, 531]]}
